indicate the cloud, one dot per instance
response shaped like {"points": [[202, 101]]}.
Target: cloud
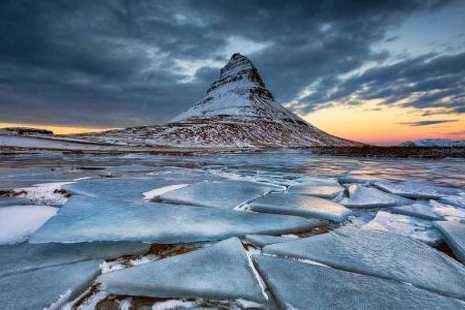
{"points": [[123, 63], [428, 122]]}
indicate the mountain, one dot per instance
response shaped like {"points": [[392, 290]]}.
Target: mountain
{"points": [[435, 142], [238, 111]]}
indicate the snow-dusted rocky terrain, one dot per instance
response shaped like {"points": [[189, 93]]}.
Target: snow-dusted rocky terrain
{"points": [[435, 142], [238, 111], [259, 230]]}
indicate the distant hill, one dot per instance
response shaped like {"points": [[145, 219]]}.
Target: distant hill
{"points": [[435, 142]]}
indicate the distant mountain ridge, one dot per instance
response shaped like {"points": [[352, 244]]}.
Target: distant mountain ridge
{"points": [[238, 111], [435, 142]]}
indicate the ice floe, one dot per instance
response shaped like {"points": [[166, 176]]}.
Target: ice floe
{"points": [[49, 287], [422, 210], [300, 205], [120, 189], [297, 285], [454, 234], [222, 195], [23, 257], [458, 201], [416, 190], [17, 223], [262, 240], [364, 197], [422, 230], [220, 271], [85, 219], [380, 254], [322, 191]]}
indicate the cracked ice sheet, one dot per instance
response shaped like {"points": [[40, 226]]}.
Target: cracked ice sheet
{"points": [[327, 288], [380, 254], [200, 273], [300, 205], [222, 195], [361, 197], [39, 289], [416, 190], [17, 223], [85, 219], [119, 189], [454, 234], [25, 257], [422, 230]]}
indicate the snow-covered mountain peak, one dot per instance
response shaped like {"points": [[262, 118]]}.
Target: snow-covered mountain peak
{"points": [[239, 92]]}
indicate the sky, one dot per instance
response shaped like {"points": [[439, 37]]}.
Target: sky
{"points": [[379, 72]]}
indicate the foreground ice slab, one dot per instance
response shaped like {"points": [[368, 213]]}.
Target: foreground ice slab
{"points": [[381, 254], [18, 222], [23, 257], [419, 210], [262, 240], [323, 191], [454, 234], [300, 205], [222, 195], [422, 230], [121, 189], [361, 197], [221, 271], [327, 288], [416, 190], [41, 288], [446, 210], [84, 219]]}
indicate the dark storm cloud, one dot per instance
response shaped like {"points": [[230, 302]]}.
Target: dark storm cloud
{"points": [[428, 123], [121, 63], [425, 82]]}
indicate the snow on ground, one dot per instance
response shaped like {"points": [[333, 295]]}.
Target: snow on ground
{"points": [[44, 194], [17, 223]]}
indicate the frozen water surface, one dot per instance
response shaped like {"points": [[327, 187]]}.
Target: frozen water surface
{"points": [[422, 230], [24, 257], [381, 254], [361, 197], [110, 202], [300, 205], [222, 195], [84, 219], [322, 191], [39, 289], [454, 234], [221, 271], [297, 285]]}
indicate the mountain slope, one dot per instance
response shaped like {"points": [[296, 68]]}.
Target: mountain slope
{"points": [[238, 111]]}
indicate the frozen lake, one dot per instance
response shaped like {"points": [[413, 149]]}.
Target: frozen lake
{"points": [[230, 230]]}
